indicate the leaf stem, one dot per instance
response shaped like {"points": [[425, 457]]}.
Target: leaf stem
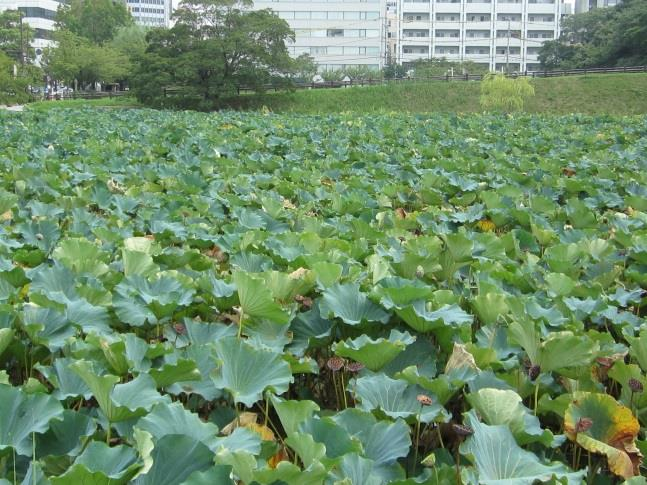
{"points": [[440, 436], [415, 450], [240, 324], [536, 394]]}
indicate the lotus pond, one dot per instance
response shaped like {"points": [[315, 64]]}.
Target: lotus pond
{"points": [[257, 298]]}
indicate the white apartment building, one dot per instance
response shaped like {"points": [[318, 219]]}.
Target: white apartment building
{"points": [[582, 6], [39, 15], [498, 34], [151, 13], [336, 33]]}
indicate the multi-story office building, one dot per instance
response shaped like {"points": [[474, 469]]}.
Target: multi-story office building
{"points": [[336, 33], [151, 13], [392, 30], [498, 34], [39, 15], [582, 6]]}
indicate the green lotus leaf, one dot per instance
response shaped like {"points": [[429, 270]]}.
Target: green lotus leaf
{"points": [[102, 465], [638, 348], [559, 284], [293, 413], [560, 351], [384, 442], [395, 398], [216, 475], [374, 353], [327, 274], [173, 419], [286, 472], [202, 355], [307, 449], [119, 402], [354, 468], [6, 336], [397, 292], [175, 459], [256, 300], [246, 372], [241, 439], [598, 423], [352, 306], [500, 460], [623, 374], [422, 318], [243, 464], [285, 287], [41, 234], [334, 437], [138, 263], [505, 407], [183, 370], [22, 414], [81, 256], [65, 437], [490, 306]]}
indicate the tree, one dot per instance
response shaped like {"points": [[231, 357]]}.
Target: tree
{"points": [[15, 80], [214, 47], [130, 40], [500, 93], [96, 20], [393, 70], [613, 36], [15, 39], [304, 68], [76, 58]]}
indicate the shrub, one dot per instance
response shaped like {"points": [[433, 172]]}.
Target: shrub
{"points": [[499, 93]]}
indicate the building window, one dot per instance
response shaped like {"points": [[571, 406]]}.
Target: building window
{"points": [[335, 33], [38, 12]]}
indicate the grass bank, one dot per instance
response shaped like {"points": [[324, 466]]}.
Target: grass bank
{"points": [[120, 102], [618, 94]]}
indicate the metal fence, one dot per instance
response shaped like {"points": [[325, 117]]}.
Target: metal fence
{"points": [[87, 95], [178, 90]]}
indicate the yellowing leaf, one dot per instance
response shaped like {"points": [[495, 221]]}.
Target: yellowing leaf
{"points": [[598, 423], [460, 358]]}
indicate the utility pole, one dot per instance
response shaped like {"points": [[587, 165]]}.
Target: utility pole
{"points": [[507, 51], [22, 44]]}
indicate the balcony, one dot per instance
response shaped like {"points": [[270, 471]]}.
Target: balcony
{"points": [[478, 6], [546, 8], [444, 7], [510, 7], [476, 57], [469, 25], [415, 24], [502, 25]]}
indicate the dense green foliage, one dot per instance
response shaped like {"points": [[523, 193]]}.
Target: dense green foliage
{"points": [[615, 36], [12, 34], [77, 58], [95, 20], [374, 297], [214, 47], [16, 71], [96, 41], [500, 93]]}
